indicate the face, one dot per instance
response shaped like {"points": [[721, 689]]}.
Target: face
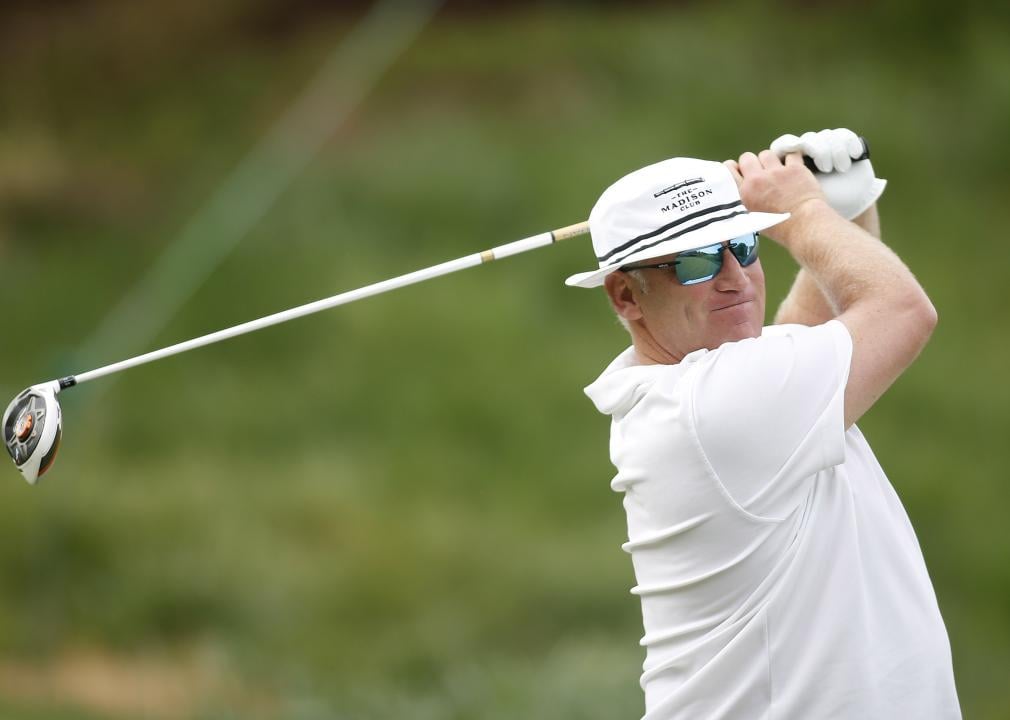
{"points": [[671, 320]]}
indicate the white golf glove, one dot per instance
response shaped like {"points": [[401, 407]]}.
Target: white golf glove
{"points": [[850, 187]]}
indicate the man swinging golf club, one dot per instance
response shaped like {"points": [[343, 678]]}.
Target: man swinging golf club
{"points": [[778, 573]]}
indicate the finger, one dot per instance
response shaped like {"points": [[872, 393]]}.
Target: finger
{"points": [[853, 144], [769, 160], [839, 150], [785, 144], [794, 158], [749, 163], [815, 147], [734, 170]]}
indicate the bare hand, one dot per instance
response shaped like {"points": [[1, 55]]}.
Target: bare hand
{"points": [[768, 185]]}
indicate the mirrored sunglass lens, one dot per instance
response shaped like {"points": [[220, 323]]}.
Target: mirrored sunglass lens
{"points": [[698, 265], [745, 248]]}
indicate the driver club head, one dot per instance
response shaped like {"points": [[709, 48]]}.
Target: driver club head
{"points": [[32, 428]]}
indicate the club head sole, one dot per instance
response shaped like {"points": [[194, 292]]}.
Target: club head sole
{"points": [[32, 429]]}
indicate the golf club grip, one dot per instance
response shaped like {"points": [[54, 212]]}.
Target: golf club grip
{"points": [[570, 231], [865, 155]]}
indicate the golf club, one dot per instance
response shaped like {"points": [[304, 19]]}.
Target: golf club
{"points": [[865, 155], [32, 423]]}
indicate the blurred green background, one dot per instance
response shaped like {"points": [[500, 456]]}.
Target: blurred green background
{"points": [[401, 508]]}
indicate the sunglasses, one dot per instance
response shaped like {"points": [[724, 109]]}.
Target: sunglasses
{"points": [[698, 266]]}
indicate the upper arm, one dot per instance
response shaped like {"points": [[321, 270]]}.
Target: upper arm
{"points": [[888, 327], [883, 346], [885, 338]]}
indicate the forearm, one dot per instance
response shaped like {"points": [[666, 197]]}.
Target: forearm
{"points": [[869, 221], [806, 303], [845, 263], [885, 311]]}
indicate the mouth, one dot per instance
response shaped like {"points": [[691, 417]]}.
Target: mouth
{"points": [[732, 305]]}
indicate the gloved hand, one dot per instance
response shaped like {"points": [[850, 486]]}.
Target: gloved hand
{"points": [[850, 187]]}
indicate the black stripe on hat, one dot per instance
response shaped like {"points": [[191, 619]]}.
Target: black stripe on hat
{"points": [[664, 228], [682, 232]]}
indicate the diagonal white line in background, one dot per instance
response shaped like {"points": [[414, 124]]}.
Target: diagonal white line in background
{"points": [[351, 71]]}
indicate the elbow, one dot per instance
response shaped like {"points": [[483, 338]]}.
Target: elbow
{"points": [[930, 316], [924, 318]]}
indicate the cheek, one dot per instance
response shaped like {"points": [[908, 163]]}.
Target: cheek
{"points": [[667, 303], [697, 297], [758, 279]]}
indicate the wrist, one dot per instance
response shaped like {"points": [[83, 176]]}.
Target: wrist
{"points": [[802, 215]]}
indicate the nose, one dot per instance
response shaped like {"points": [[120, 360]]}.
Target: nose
{"points": [[732, 277]]}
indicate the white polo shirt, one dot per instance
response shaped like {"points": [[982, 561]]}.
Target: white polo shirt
{"points": [[778, 573]]}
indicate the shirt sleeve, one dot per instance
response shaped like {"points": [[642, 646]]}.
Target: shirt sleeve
{"points": [[769, 413]]}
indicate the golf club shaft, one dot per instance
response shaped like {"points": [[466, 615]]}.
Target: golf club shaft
{"points": [[497, 253]]}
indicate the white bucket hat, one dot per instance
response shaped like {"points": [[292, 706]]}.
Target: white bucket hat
{"points": [[669, 207]]}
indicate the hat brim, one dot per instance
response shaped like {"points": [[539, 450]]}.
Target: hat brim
{"points": [[716, 232]]}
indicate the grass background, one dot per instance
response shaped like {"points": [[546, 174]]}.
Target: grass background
{"points": [[401, 508]]}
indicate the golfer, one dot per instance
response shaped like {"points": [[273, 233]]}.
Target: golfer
{"points": [[778, 573]]}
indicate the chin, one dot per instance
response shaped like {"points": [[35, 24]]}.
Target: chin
{"points": [[740, 322], [739, 331]]}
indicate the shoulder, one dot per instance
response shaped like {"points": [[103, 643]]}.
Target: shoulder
{"points": [[791, 370], [769, 410], [777, 348]]}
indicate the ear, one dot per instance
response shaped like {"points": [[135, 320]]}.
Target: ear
{"points": [[624, 295]]}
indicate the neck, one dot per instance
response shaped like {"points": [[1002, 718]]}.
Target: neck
{"points": [[650, 351]]}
